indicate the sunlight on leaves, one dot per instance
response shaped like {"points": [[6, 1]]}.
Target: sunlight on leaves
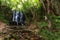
{"points": [[19, 4]]}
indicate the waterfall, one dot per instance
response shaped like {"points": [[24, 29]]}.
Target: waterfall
{"points": [[21, 18], [14, 13], [16, 17]]}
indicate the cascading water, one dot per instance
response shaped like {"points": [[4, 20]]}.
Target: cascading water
{"points": [[21, 18], [18, 17], [14, 13]]}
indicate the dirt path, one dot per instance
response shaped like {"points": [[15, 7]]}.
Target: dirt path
{"points": [[28, 33], [3, 30]]}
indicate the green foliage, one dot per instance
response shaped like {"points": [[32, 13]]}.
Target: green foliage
{"points": [[52, 34], [5, 13], [48, 35], [20, 4], [55, 21], [32, 8], [42, 24], [25, 6]]}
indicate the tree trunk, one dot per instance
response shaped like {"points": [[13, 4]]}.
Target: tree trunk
{"points": [[48, 12], [46, 7]]}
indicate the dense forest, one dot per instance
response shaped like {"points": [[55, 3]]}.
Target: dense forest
{"points": [[42, 19]]}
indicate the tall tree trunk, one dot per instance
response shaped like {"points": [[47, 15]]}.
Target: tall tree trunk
{"points": [[46, 7], [33, 14], [48, 12]]}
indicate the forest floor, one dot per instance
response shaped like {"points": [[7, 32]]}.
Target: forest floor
{"points": [[2, 28], [28, 32], [25, 33]]}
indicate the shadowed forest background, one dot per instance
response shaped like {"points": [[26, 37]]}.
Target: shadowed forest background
{"points": [[42, 20]]}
